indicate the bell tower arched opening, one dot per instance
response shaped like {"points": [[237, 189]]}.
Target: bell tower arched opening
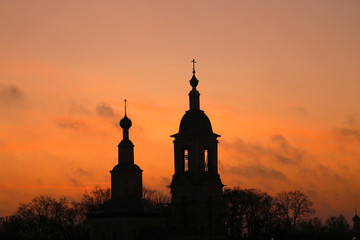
{"points": [[186, 160], [206, 159]]}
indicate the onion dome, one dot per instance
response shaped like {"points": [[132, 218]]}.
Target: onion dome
{"points": [[193, 81], [125, 123]]}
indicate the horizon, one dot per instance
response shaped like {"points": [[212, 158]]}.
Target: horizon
{"points": [[279, 82]]}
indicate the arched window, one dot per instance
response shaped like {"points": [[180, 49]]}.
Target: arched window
{"points": [[186, 160], [206, 160]]}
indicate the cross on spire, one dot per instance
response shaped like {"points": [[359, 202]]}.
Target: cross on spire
{"points": [[125, 105], [193, 61]]}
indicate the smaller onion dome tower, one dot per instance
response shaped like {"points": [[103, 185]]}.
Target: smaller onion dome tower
{"points": [[196, 187], [126, 215], [126, 176]]}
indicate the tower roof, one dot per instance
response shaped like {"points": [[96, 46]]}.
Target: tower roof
{"points": [[195, 121]]}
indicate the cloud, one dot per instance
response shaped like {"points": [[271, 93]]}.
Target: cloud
{"points": [[71, 124], [77, 176], [104, 110], [312, 193], [75, 182], [354, 120], [321, 171], [256, 170], [348, 133], [328, 173], [278, 150], [10, 94], [78, 109], [82, 172], [267, 165], [273, 166], [300, 110], [284, 152]]}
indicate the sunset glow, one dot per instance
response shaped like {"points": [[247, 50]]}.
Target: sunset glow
{"points": [[279, 80]]}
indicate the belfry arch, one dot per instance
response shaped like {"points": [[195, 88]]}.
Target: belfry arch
{"points": [[186, 159]]}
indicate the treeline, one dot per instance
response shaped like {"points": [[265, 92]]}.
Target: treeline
{"points": [[252, 214], [47, 218], [249, 214]]}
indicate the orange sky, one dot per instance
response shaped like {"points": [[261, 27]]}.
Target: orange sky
{"points": [[279, 80]]}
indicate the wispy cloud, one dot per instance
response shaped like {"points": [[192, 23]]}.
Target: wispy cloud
{"points": [[10, 95], [269, 166], [354, 120], [256, 170], [348, 133], [300, 111], [278, 150], [284, 152], [78, 109], [81, 172], [71, 123], [104, 110]]}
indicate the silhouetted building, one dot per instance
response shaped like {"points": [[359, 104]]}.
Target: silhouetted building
{"points": [[126, 215], [196, 186], [356, 227]]}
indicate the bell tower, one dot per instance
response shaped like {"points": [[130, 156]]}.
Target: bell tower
{"points": [[196, 186]]}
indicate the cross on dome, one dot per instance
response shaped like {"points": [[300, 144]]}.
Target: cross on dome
{"points": [[193, 61]]}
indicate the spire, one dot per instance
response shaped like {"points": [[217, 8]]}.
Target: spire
{"points": [[194, 94], [126, 152], [125, 105]]}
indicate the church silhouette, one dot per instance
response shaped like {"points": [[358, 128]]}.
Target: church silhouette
{"points": [[196, 208]]}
